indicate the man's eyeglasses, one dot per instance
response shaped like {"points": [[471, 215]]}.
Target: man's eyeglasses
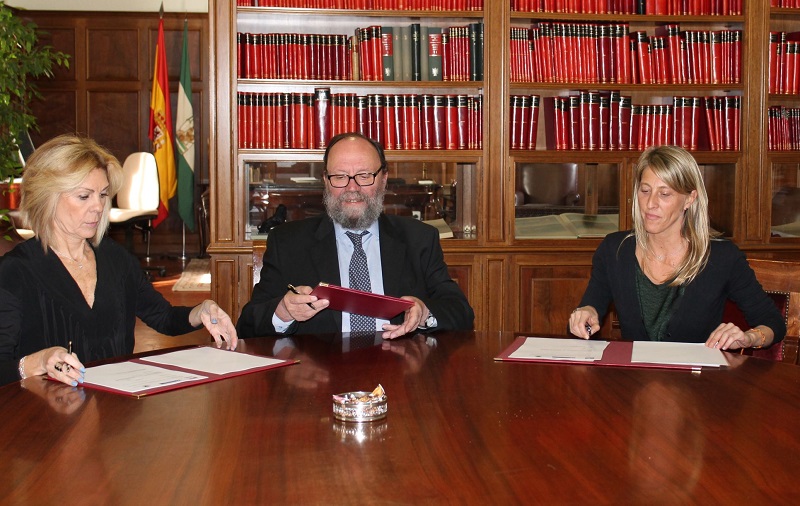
{"points": [[361, 179]]}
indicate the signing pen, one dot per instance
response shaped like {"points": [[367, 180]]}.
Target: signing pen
{"points": [[294, 290], [589, 330]]}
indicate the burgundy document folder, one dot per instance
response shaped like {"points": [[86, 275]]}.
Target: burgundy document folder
{"points": [[359, 302]]}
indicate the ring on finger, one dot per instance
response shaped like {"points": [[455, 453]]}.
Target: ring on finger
{"points": [[57, 367]]}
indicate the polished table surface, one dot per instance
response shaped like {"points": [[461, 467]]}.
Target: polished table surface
{"points": [[461, 428]]}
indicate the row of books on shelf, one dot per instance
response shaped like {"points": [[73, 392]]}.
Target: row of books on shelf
{"points": [[783, 128], [426, 5], [412, 52], [785, 4], [555, 52], [645, 7], [608, 121], [784, 62], [402, 122]]}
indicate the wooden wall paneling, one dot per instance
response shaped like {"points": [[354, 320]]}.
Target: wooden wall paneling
{"points": [[497, 293], [549, 289]]}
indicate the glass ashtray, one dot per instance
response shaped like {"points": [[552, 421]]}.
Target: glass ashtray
{"points": [[360, 406]]}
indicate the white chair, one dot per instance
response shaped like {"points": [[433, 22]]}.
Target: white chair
{"points": [[137, 200]]}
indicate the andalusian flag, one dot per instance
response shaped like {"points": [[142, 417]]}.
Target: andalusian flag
{"points": [[161, 127], [184, 138]]}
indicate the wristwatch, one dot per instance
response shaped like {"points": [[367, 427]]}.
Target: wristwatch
{"points": [[430, 322]]}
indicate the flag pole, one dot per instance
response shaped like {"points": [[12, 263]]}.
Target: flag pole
{"points": [[183, 248]]}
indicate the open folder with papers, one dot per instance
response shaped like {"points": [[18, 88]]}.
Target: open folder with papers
{"points": [[154, 374], [691, 356], [360, 302]]}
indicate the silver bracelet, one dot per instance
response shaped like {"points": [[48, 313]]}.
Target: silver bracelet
{"points": [[22, 368]]}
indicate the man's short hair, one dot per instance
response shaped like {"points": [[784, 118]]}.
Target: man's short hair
{"points": [[355, 135]]}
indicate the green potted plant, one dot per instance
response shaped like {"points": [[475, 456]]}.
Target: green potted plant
{"points": [[22, 60]]}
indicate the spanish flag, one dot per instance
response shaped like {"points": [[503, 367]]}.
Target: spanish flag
{"points": [[161, 128]]}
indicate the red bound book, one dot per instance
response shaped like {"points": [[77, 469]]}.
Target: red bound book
{"points": [[525, 120], [773, 57], [405, 121], [605, 120], [678, 133], [710, 130], [343, 69], [305, 56], [715, 58], [446, 55], [584, 121], [273, 109], [548, 44], [376, 51], [644, 57], [623, 48], [604, 58], [426, 130], [634, 60], [451, 122], [251, 56], [515, 126], [562, 109], [695, 106], [241, 120], [462, 125], [645, 130], [364, 57], [259, 113], [550, 122], [362, 115], [478, 104], [295, 114], [308, 106], [398, 103], [729, 122], [412, 106], [322, 117], [352, 112], [594, 121], [614, 100], [336, 114], [572, 132], [379, 119], [636, 127], [314, 57], [534, 129], [389, 132], [737, 55], [625, 118], [439, 122], [705, 58], [241, 54], [278, 107]]}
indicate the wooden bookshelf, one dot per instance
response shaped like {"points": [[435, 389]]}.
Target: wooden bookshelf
{"points": [[514, 283]]}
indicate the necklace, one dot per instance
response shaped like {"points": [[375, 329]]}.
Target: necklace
{"points": [[77, 262]]}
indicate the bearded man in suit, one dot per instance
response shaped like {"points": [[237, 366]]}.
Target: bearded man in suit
{"points": [[403, 255]]}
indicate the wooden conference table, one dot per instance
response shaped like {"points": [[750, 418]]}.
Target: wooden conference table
{"points": [[461, 428]]}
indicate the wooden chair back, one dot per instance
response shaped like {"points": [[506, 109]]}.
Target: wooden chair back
{"points": [[781, 276]]}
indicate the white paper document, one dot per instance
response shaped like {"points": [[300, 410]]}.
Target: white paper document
{"points": [[693, 354], [546, 348], [212, 360], [133, 377]]}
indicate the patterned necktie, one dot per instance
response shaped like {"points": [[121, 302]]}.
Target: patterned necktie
{"points": [[359, 280]]}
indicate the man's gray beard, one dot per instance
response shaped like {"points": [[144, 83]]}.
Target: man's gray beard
{"points": [[337, 213]]}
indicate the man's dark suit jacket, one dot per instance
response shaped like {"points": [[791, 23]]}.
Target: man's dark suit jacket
{"points": [[304, 253]]}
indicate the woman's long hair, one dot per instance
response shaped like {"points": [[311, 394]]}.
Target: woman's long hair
{"points": [[679, 170]]}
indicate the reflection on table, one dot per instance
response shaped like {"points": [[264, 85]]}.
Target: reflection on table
{"points": [[461, 428]]}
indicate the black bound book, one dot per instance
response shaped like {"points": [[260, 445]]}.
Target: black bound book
{"points": [[416, 50]]}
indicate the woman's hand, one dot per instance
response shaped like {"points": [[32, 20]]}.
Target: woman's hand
{"points": [[57, 363], [584, 321], [216, 321], [730, 337]]}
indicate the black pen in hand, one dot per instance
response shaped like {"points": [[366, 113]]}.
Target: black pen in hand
{"points": [[294, 291], [589, 330]]}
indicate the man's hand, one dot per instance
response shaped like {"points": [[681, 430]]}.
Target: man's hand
{"points": [[298, 306], [415, 317]]}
